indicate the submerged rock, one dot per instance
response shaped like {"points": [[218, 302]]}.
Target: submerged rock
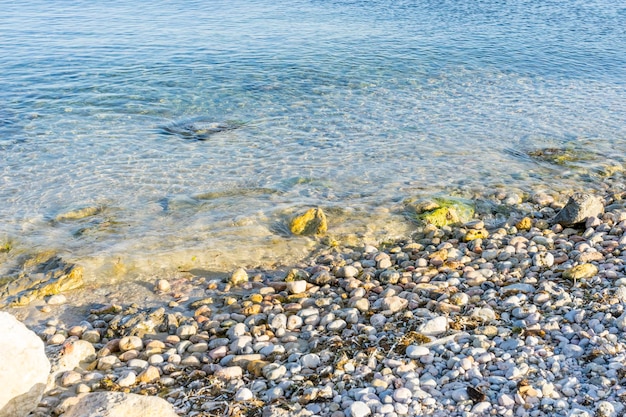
{"points": [[444, 211], [562, 156], [78, 213], [312, 222], [39, 276], [579, 207], [200, 129]]}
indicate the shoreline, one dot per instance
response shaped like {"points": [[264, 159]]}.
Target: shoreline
{"points": [[435, 324]]}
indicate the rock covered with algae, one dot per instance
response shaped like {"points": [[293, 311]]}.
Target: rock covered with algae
{"points": [[39, 276], [311, 222], [581, 271], [444, 211]]}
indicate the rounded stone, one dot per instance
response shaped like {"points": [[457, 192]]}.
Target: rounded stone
{"points": [[186, 331], [243, 394], [416, 351], [296, 287], [359, 409], [131, 343]]}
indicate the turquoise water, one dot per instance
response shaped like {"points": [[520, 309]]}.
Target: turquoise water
{"points": [[197, 128]]}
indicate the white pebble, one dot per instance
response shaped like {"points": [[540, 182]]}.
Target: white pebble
{"points": [[416, 351], [402, 395], [434, 327], [244, 394], [359, 409], [296, 287], [127, 379], [310, 360]]}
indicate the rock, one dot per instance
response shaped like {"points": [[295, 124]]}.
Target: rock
{"points": [[434, 327], [474, 234], [239, 276], [56, 300], [24, 368], [312, 222], [524, 224], [581, 271], [230, 372], [444, 211], [201, 129], [118, 404], [543, 259], [149, 375], [40, 276], [162, 285], [394, 303], [78, 214], [402, 395], [359, 409], [310, 360], [348, 271], [416, 351], [127, 379], [71, 355], [130, 343], [296, 287], [244, 394], [579, 207], [274, 371]]}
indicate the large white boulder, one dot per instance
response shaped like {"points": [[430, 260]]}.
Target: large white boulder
{"points": [[24, 368], [119, 404]]}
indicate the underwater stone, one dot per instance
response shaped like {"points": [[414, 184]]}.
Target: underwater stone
{"points": [[41, 275], [448, 211]]}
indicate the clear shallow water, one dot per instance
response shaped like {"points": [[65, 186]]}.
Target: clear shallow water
{"points": [[353, 106]]}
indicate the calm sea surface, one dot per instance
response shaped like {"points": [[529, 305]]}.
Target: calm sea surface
{"points": [[194, 129]]}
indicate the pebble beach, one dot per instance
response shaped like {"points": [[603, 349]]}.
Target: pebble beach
{"points": [[521, 318]]}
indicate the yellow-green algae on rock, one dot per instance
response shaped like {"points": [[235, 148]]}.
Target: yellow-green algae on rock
{"points": [[79, 213], [444, 211], [581, 271], [40, 275], [312, 222], [476, 234]]}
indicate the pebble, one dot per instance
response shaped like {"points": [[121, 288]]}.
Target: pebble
{"points": [[359, 409], [434, 327], [149, 375], [416, 351], [230, 372], [130, 343], [402, 395], [127, 379], [57, 299], [243, 394], [296, 287]]}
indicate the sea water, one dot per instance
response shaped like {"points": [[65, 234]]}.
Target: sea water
{"points": [[188, 133]]}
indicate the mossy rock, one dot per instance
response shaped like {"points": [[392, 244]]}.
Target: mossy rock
{"points": [[581, 271], [312, 222], [78, 214], [476, 234], [444, 211], [40, 275], [562, 156]]}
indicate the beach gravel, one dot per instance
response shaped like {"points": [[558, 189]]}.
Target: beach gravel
{"points": [[520, 321]]}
